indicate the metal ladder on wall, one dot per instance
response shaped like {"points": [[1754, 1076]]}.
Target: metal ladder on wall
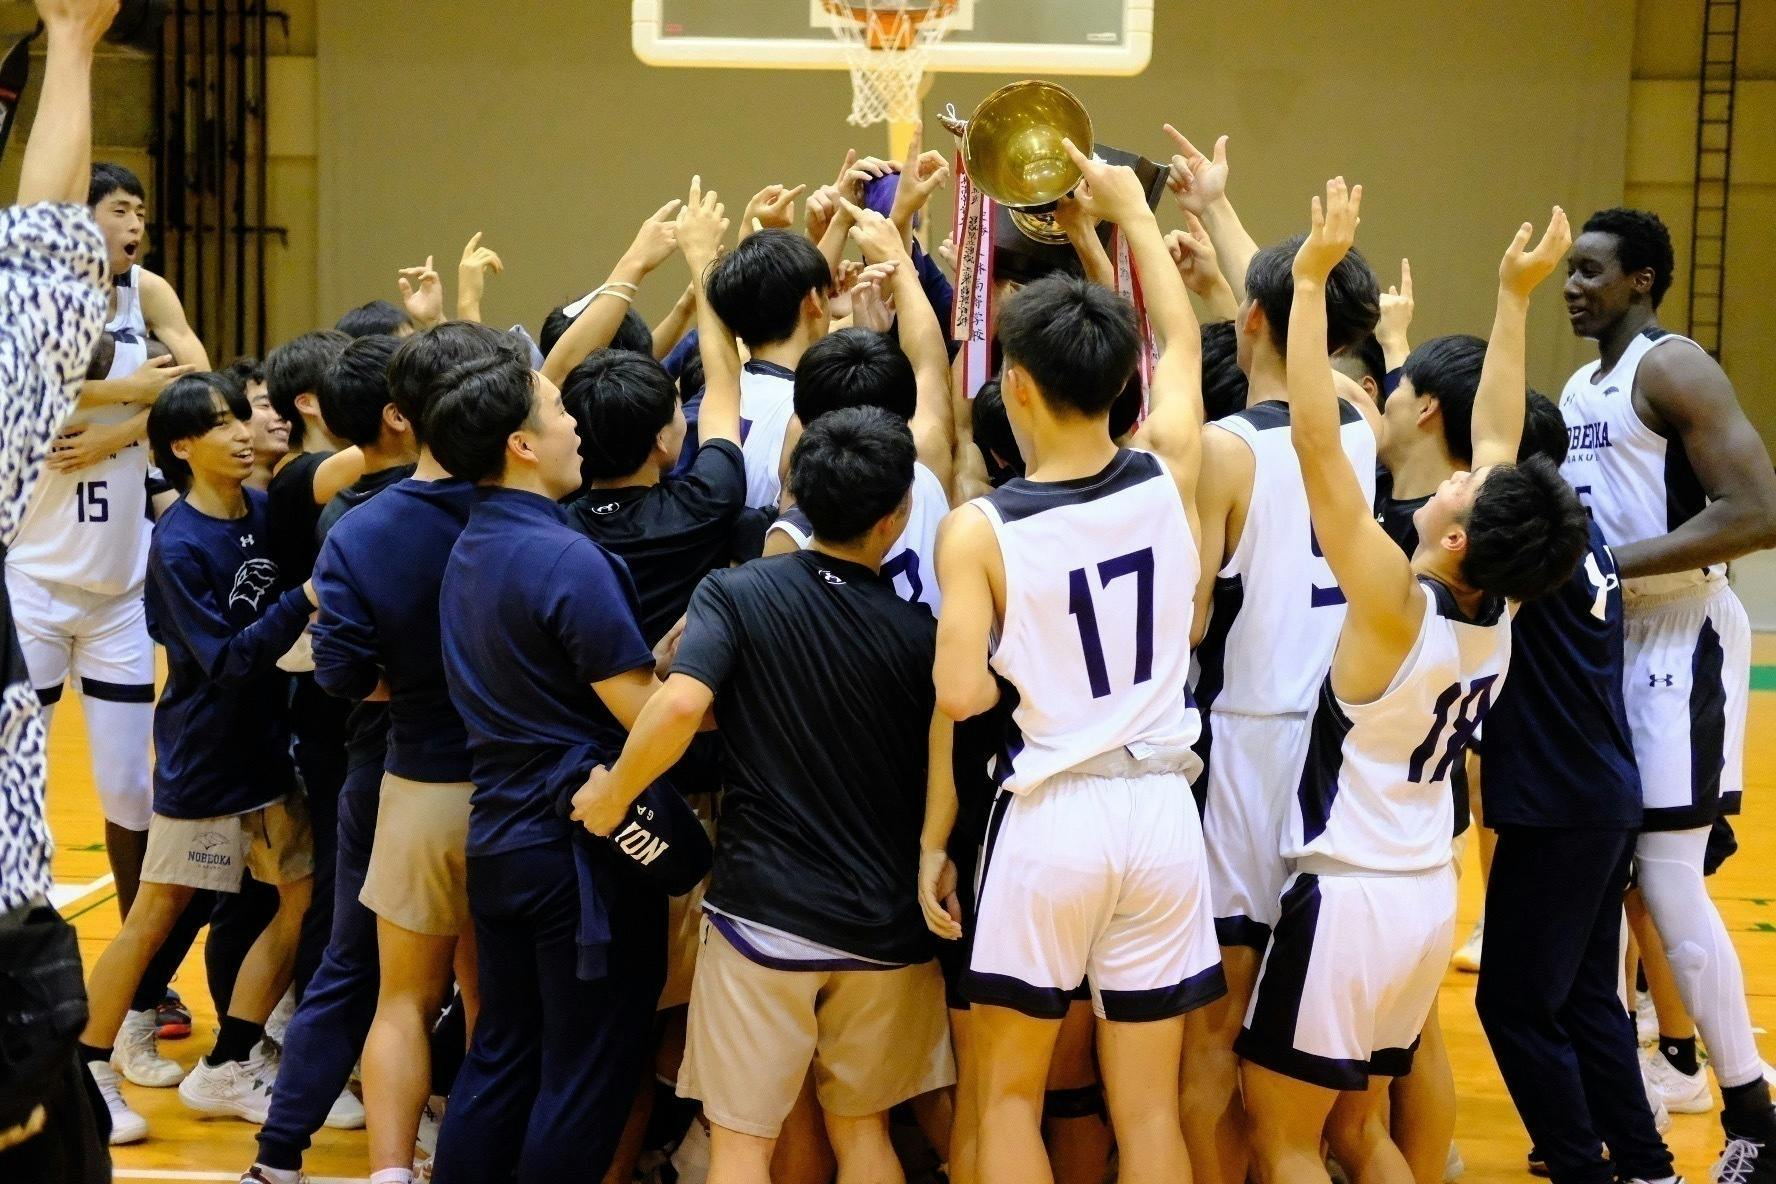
{"points": [[1714, 169], [210, 227]]}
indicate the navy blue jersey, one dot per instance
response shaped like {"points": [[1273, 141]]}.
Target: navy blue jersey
{"points": [[221, 742], [533, 613], [1557, 746], [377, 579]]}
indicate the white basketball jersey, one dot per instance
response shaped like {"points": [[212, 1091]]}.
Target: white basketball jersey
{"points": [[90, 529], [1636, 483], [1277, 609], [767, 404], [1100, 578], [1375, 792], [912, 562]]}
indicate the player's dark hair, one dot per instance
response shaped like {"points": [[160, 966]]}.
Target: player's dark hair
{"points": [[355, 389], [108, 178], [296, 368], [1364, 359], [1447, 369], [1125, 413], [1642, 241], [854, 368], [851, 469], [1526, 531], [377, 318], [247, 369], [620, 400], [690, 376], [632, 333], [757, 289], [1544, 430], [993, 435], [104, 356], [1353, 295], [189, 407], [1225, 385], [1076, 339], [478, 406], [424, 358]]}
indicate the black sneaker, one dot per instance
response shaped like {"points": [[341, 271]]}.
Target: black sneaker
{"points": [[1538, 1166], [1744, 1161], [172, 1018]]}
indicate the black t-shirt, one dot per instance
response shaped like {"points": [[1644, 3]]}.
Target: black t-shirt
{"points": [[294, 516], [822, 679], [357, 493], [672, 534]]}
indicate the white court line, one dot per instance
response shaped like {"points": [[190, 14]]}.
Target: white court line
{"points": [[63, 895], [151, 1174]]}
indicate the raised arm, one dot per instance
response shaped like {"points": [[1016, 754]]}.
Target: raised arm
{"points": [[1396, 318], [671, 328], [921, 175], [598, 321], [700, 229], [1375, 577], [1499, 401], [58, 156], [1081, 230], [471, 278], [1173, 427], [1199, 267], [1199, 186], [921, 338]]}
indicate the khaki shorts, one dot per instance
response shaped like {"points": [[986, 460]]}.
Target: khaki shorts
{"points": [[418, 874], [684, 922], [274, 843], [874, 1037]]}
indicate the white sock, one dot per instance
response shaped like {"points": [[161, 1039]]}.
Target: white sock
{"points": [[392, 1176], [279, 1175]]}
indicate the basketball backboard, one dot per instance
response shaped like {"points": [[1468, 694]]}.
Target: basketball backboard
{"points": [[985, 36]]}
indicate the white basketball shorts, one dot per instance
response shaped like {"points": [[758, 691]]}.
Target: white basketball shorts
{"points": [[1253, 775], [1686, 682], [1350, 976], [1099, 877], [101, 640]]}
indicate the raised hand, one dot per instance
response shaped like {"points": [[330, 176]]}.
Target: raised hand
{"points": [[822, 204], [657, 239], [1520, 270], [700, 227], [422, 294], [874, 235], [872, 297], [1107, 192], [946, 254], [1194, 254], [1073, 219], [921, 175], [86, 20], [1396, 307], [1196, 181], [1333, 231], [471, 277], [772, 208], [858, 172]]}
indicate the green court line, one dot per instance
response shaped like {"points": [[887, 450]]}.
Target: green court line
{"points": [[1763, 678], [105, 899]]}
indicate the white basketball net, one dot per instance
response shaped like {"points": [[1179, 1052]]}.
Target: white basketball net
{"points": [[887, 44]]}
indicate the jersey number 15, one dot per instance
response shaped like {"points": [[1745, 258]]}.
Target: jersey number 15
{"points": [[91, 503]]}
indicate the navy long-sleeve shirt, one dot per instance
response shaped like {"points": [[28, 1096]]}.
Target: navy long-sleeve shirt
{"points": [[533, 614], [220, 737], [378, 581]]}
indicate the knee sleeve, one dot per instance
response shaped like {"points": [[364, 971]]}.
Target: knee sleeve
{"points": [[118, 734], [1086, 1101]]}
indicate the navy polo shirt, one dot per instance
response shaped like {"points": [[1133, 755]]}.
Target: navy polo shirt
{"points": [[533, 614]]}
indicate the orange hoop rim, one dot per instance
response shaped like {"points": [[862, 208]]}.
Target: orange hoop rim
{"points": [[889, 26]]}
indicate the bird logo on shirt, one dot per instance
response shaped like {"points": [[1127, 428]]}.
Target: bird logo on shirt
{"points": [[254, 579]]}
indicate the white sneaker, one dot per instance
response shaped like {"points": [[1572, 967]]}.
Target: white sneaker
{"points": [[1646, 1019], [347, 1113], [1468, 957], [1454, 1166], [1655, 1103], [126, 1125], [1682, 1093], [278, 1023], [691, 1157], [137, 1055], [1738, 1163], [1769, 1074], [238, 1088]]}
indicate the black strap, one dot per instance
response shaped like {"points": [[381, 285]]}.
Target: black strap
{"points": [[15, 72]]}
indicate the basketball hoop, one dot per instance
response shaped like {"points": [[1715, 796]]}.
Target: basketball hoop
{"points": [[887, 44]]}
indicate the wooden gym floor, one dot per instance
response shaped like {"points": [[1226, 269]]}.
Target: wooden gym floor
{"points": [[184, 1147]]}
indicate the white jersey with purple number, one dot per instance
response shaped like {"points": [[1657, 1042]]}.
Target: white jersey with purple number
{"points": [[1636, 483], [89, 529], [912, 561], [1100, 580], [767, 404]]}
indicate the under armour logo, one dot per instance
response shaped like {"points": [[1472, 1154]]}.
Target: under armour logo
{"points": [[609, 507], [1653, 679], [830, 578], [246, 540]]}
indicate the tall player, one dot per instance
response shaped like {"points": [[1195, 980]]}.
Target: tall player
{"points": [[1678, 479], [1095, 865], [1424, 646], [76, 570], [1270, 593]]}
